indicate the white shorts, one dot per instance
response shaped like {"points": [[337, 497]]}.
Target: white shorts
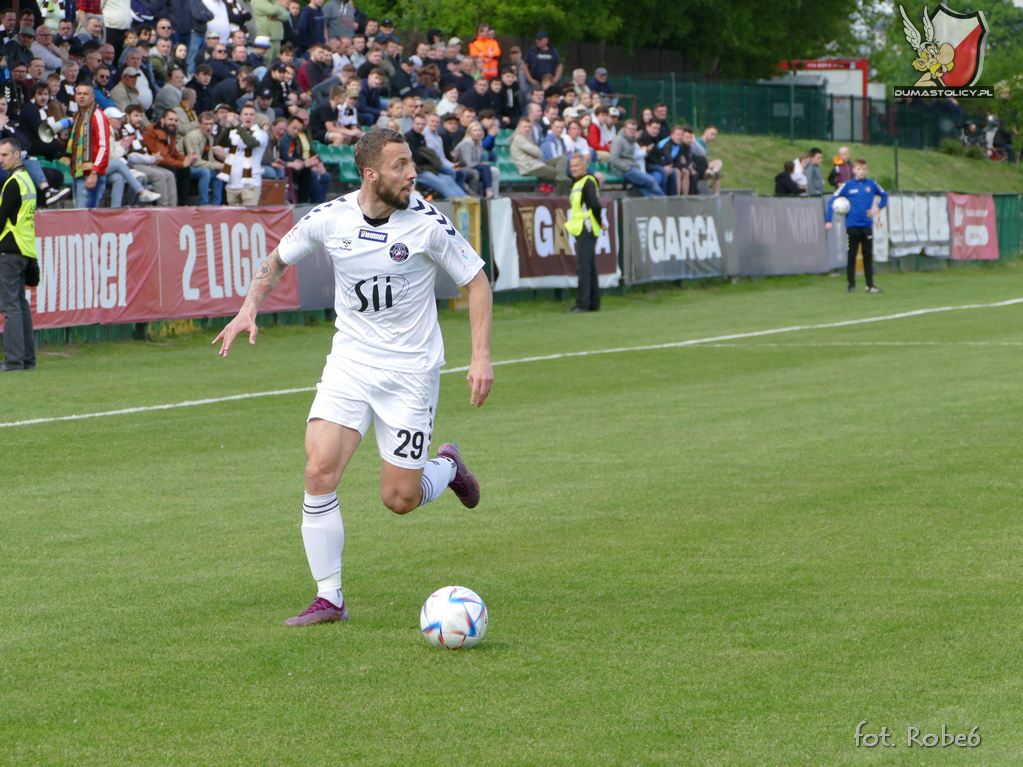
{"points": [[400, 405]]}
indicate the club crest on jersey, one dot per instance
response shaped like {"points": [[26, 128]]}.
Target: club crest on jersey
{"points": [[399, 253], [369, 234]]}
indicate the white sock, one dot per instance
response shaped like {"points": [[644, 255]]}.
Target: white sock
{"points": [[323, 533], [436, 476]]}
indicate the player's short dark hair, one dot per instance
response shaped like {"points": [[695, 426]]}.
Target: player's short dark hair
{"points": [[789, 166], [860, 161], [14, 144], [815, 150], [134, 108], [204, 69], [370, 147], [688, 129]]}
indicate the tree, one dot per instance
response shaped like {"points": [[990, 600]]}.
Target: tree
{"points": [[734, 38]]}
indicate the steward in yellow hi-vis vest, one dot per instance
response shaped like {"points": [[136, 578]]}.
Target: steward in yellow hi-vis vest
{"points": [[17, 259], [584, 225]]}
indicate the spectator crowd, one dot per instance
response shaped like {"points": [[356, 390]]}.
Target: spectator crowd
{"points": [[172, 102]]}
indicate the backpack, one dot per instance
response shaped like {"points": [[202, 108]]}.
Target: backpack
{"points": [[833, 177]]}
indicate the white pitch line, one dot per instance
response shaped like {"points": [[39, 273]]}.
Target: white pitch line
{"points": [[713, 341]]}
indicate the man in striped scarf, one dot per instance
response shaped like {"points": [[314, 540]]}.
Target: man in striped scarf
{"points": [[89, 148]]}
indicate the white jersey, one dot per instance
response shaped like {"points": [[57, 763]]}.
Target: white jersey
{"points": [[384, 278]]}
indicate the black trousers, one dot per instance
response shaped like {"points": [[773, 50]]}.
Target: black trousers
{"points": [[860, 235], [586, 268], [183, 180]]}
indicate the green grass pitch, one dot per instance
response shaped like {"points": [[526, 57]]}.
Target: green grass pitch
{"points": [[725, 553]]}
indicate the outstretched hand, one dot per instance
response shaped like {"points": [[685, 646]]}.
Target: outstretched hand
{"points": [[235, 327], [481, 380]]}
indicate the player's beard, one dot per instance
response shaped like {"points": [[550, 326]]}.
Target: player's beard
{"points": [[391, 195]]}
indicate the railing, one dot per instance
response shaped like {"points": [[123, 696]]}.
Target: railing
{"points": [[792, 110]]}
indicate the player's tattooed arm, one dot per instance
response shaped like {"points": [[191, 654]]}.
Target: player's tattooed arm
{"points": [[264, 280]]}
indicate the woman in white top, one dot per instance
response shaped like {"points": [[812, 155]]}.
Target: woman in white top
{"points": [[471, 154], [449, 102]]}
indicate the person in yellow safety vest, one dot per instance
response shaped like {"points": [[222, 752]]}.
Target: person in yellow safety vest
{"points": [[585, 225], [17, 255]]}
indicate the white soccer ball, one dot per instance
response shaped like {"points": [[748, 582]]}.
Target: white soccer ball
{"points": [[454, 618], [840, 205]]}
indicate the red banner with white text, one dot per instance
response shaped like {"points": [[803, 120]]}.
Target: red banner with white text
{"points": [[974, 236], [120, 266]]}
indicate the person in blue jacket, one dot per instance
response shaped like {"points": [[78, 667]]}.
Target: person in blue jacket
{"points": [[859, 224]]}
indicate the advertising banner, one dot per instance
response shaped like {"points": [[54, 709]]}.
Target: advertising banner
{"points": [[974, 235], [122, 266], [531, 248], [677, 238], [918, 223], [780, 235]]}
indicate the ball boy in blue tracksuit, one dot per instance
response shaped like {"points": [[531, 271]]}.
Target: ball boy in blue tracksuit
{"points": [[860, 191]]}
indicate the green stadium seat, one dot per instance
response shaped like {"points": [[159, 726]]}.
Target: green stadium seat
{"points": [[341, 157], [68, 180]]}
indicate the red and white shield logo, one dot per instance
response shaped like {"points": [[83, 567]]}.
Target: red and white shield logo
{"points": [[967, 33]]}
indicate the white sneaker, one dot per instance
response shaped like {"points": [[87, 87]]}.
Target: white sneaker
{"points": [[147, 195]]}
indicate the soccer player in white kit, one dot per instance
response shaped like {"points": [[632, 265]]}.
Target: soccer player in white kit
{"points": [[384, 365]]}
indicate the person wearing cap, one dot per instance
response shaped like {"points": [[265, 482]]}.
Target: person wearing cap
{"points": [[599, 83], [454, 50], [126, 91], [118, 170], [260, 46], [542, 60], [312, 27], [269, 16], [160, 180], [405, 81], [265, 112], [486, 50], [19, 50]]}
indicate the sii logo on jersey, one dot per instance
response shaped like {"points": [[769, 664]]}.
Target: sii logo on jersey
{"points": [[377, 293], [399, 253]]}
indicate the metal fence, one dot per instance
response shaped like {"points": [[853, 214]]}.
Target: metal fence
{"points": [[792, 110]]}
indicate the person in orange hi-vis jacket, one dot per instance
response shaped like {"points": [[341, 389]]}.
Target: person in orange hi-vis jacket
{"points": [[486, 49]]}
